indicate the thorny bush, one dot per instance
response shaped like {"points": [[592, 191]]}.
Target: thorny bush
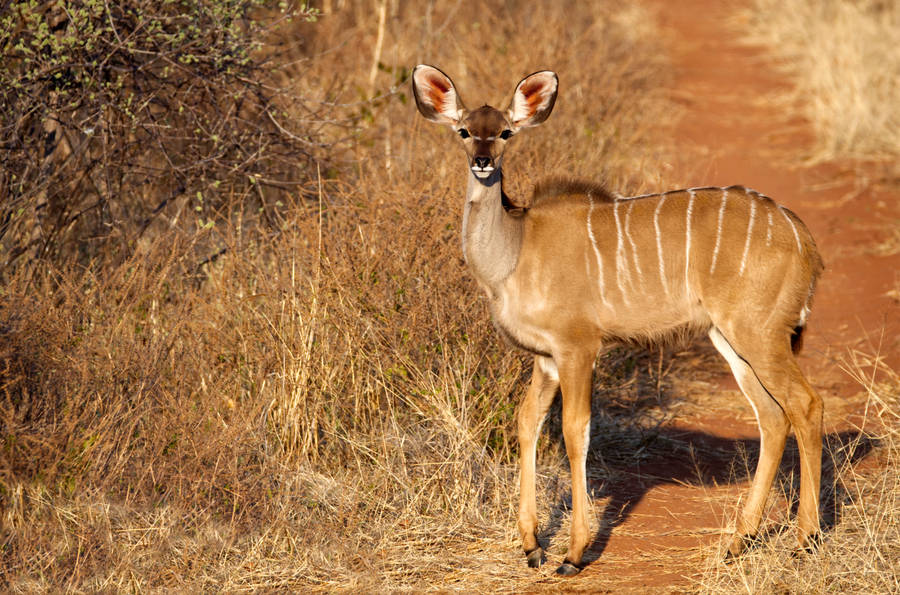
{"points": [[116, 117]]}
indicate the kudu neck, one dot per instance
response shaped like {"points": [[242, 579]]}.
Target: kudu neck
{"points": [[492, 237]]}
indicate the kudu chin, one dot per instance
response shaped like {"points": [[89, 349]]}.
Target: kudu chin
{"points": [[580, 270]]}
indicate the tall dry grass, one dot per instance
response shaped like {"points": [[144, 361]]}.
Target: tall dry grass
{"points": [[843, 63], [325, 404]]}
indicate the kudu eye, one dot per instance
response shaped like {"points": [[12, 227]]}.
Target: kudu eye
{"points": [[506, 134], [464, 133]]}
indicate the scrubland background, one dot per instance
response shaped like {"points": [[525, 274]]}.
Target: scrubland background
{"points": [[239, 344], [239, 348], [845, 71]]}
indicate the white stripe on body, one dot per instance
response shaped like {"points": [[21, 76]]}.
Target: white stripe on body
{"points": [[769, 229], [590, 230], [659, 252], [715, 255], [634, 254], [749, 235], [620, 254], [793, 228], [687, 239]]}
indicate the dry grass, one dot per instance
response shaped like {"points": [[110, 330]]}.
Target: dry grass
{"points": [[325, 405], [843, 62]]}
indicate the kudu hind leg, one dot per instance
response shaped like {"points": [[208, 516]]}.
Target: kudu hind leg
{"points": [[773, 430], [805, 409], [779, 374], [532, 411]]}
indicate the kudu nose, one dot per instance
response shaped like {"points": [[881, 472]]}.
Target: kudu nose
{"points": [[481, 162]]}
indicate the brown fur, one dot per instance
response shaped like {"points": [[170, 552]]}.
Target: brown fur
{"points": [[556, 186]]}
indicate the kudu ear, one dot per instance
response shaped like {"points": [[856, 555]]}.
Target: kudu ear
{"points": [[533, 100], [436, 97]]}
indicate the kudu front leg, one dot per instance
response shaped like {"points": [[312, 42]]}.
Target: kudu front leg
{"points": [[544, 382], [575, 380]]}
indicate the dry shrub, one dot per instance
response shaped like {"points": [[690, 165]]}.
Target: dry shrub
{"points": [[326, 403], [843, 62], [122, 118]]}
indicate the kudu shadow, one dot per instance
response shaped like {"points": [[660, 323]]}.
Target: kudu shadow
{"points": [[628, 459]]}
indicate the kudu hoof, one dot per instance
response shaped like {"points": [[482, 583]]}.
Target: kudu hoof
{"points": [[808, 545], [568, 569], [739, 545], [535, 557]]}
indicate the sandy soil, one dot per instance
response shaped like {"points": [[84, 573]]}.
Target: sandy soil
{"points": [[734, 134]]}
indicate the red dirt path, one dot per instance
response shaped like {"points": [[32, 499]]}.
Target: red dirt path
{"points": [[734, 135]]}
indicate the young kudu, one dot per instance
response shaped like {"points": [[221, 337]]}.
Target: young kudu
{"points": [[580, 270]]}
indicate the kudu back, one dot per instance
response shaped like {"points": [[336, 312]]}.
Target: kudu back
{"points": [[580, 270]]}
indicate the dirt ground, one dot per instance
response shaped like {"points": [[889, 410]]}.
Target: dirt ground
{"points": [[733, 133]]}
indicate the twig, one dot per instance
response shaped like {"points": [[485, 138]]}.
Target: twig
{"points": [[379, 41]]}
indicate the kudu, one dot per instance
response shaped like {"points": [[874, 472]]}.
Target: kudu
{"points": [[580, 270]]}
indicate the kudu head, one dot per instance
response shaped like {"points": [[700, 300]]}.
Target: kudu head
{"points": [[484, 131]]}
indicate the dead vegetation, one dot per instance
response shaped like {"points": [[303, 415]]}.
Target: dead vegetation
{"points": [[842, 61]]}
